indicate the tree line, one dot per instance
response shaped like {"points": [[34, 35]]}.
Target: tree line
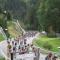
{"points": [[41, 15]]}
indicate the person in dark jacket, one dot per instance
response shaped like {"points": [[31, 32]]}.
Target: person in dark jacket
{"points": [[49, 57]]}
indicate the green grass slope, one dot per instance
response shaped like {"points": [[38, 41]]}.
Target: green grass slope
{"points": [[1, 37], [48, 43], [12, 29]]}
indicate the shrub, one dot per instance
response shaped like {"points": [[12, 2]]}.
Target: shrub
{"points": [[51, 35], [47, 46], [1, 58]]}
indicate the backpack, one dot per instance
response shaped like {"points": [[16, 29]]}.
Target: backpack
{"points": [[46, 58]]}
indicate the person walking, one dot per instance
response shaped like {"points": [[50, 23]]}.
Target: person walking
{"points": [[37, 53], [25, 42], [11, 54], [9, 49], [49, 57], [54, 58], [19, 50]]}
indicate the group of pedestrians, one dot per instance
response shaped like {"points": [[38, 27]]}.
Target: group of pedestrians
{"points": [[30, 34], [16, 48], [19, 45]]}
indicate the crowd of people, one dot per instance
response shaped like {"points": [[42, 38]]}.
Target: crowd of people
{"points": [[19, 46]]}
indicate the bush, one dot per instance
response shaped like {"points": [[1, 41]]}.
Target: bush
{"points": [[47, 46], [1, 58], [51, 35]]}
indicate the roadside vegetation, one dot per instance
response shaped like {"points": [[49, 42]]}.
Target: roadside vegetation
{"points": [[12, 29], [1, 58], [1, 37], [51, 44]]}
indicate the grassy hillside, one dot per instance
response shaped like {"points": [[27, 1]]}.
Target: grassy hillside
{"points": [[48, 43], [1, 37], [1, 58], [12, 29]]}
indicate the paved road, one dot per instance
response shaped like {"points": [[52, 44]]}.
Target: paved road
{"points": [[42, 56]]}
